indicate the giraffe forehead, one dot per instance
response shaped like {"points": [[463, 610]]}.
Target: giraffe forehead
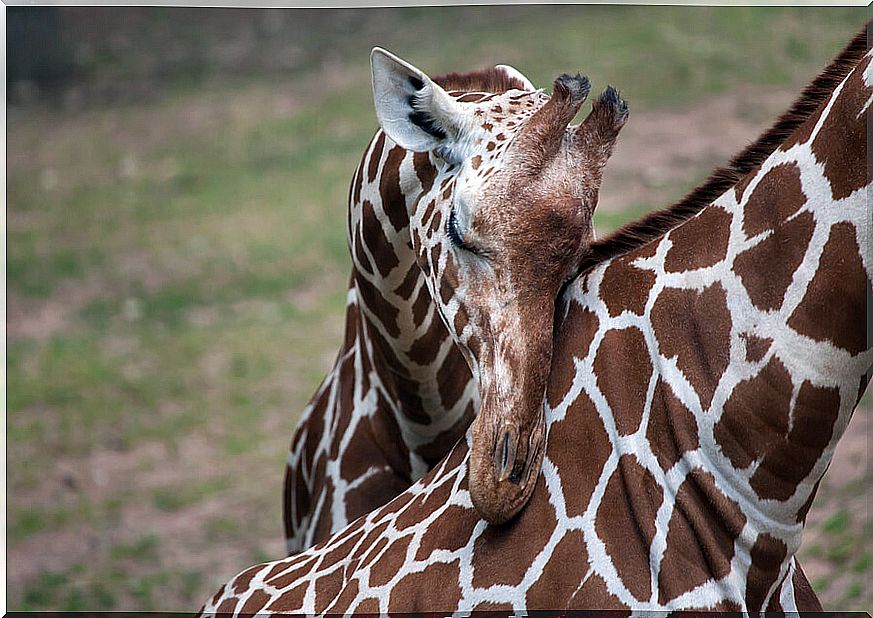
{"points": [[501, 115]]}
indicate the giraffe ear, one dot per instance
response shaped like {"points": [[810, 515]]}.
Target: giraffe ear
{"points": [[516, 74], [413, 111]]}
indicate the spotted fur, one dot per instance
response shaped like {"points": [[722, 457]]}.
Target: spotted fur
{"points": [[747, 401]]}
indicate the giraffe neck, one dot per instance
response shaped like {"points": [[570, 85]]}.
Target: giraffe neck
{"points": [[403, 336], [724, 372]]}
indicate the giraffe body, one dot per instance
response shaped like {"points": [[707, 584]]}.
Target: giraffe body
{"points": [[691, 410]]}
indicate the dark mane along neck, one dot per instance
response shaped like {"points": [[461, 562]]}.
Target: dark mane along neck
{"points": [[487, 80], [657, 223]]}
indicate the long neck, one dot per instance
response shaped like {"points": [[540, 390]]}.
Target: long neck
{"points": [[727, 357], [402, 335]]}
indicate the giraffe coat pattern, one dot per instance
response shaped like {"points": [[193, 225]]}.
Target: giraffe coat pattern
{"points": [[697, 498]]}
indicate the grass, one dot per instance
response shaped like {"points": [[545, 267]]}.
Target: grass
{"points": [[176, 268]]}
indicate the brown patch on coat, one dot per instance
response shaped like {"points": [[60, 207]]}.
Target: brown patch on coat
{"points": [[255, 603], [672, 428], [452, 377], [389, 563], [743, 184], [791, 456], [228, 606], [503, 554], [577, 330], [625, 287], [382, 310], [700, 537], [594, 594], [841, 143], [281, 578], [838, 288], [768, 268], [626, 523], [756, 347], [361, 260], [243, 580], [461, 320], [368, 606], [451, 531], [776, 197], [492, 80], [377, 490], [290, 600], [579, 445], [695, 329], [755, 415], [561, 575], [393, 200], [377, 242], [421, 305], [424, 350], [406, 287], [688, 253], [345, 598], [435, 587], [436, 449], [471, 97], [357, 185], [767, 555], [424, 170], [342, 547], [623, 371], [375, 156]]}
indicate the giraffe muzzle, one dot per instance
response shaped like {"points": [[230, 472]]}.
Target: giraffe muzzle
{"points": [[503, 477]]}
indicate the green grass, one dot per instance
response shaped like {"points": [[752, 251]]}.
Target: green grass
{"points": [[191, 248]]}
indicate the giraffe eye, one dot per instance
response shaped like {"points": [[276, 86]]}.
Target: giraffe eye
{"points": [[452, 231], [456, 237]]}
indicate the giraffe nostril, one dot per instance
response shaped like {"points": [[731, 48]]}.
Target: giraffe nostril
{"points": [[505, 456]]}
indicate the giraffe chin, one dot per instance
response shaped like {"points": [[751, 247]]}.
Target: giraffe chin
{"points": [[503, 473]]}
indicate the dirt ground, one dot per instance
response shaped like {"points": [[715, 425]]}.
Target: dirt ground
{"points": [[213, 535]]}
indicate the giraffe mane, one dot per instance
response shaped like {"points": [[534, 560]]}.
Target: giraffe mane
{"points": [[657, 223], [491, 80]]}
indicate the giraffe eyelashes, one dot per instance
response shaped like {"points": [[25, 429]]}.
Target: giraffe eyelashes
{"points": [[456, 237]]}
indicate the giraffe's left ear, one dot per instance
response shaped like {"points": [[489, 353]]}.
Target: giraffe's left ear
{"points": [[413, 111]]}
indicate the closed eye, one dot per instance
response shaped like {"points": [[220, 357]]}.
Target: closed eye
{"points": [[456, 238]]}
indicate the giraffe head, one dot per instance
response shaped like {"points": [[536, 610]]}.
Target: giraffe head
{"points": [[497, 232]]}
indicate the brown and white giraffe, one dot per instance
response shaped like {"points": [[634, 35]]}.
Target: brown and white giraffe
{"points": [[401, 392], [706, 362]]}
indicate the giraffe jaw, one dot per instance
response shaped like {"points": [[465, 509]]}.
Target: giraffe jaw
{"points": [[504, 473]]}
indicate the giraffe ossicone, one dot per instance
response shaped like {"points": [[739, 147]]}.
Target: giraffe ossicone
{"points": [[695, 400], [501, 230]]}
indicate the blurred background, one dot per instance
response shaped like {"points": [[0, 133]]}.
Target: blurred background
{"points": [[177, 261]]}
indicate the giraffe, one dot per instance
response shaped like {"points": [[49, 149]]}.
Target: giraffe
{"points": [[402, 392], [678, 473]]}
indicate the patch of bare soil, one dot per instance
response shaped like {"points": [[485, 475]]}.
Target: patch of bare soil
{"points": [[39, 319]]}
